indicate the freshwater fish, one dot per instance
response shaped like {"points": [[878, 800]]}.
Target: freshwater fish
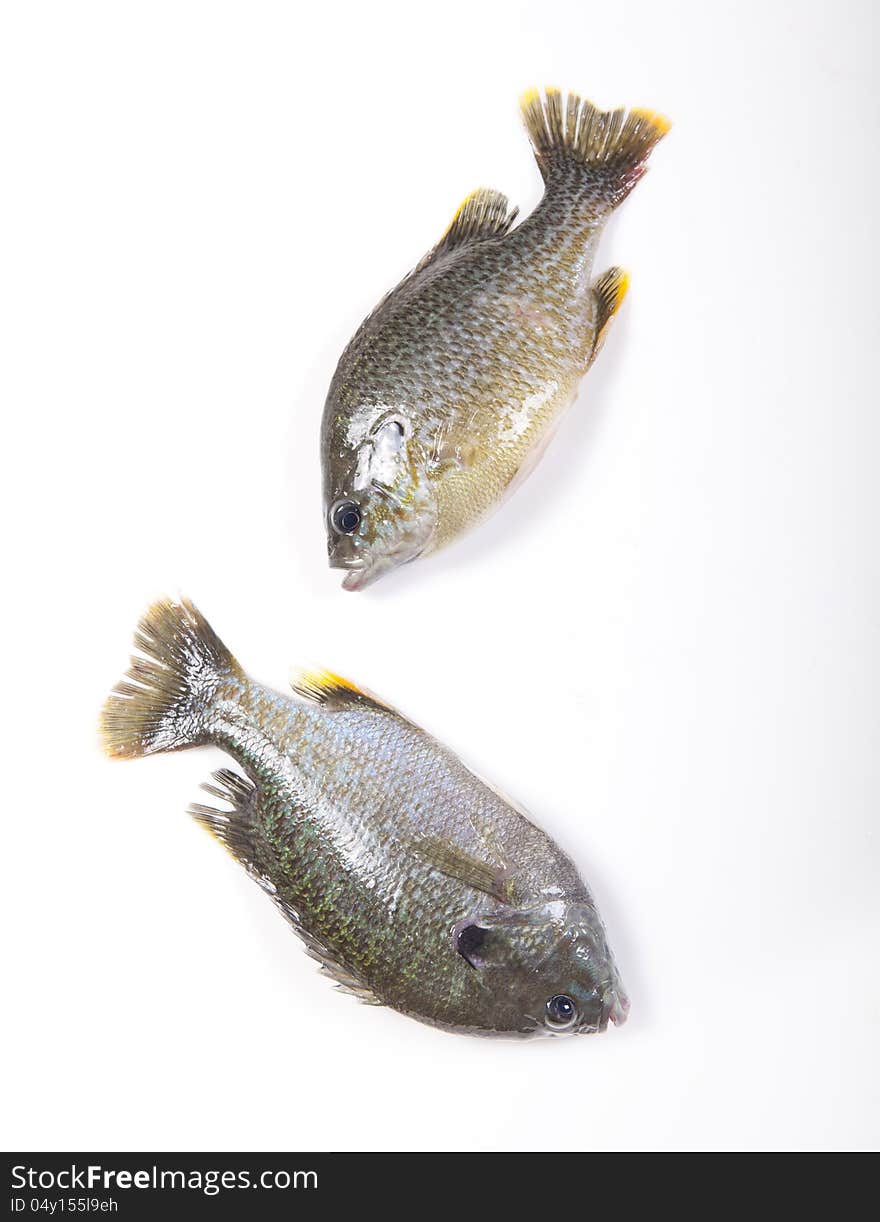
{"points": [[413, 883], [449, 392]]}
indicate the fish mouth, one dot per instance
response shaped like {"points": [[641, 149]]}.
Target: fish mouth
{"points": [[357, 576], [340, 556], [358, 572], [346, 562], [362, 571], [617, 1009]]}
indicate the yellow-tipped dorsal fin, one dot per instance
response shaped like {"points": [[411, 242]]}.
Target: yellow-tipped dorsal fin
{"points": [[325, 687], [482, 214]]}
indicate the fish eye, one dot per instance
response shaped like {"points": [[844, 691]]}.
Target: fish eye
{"points": [[345, 517], [561, 1011]]}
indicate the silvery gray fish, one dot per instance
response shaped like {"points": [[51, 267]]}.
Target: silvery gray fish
{"points": [[450, 390], [413, 883]]}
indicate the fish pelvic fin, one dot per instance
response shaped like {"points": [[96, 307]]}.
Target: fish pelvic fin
{"points": [[605, 149], [165, 700]]}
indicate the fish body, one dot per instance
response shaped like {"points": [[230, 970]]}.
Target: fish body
{"points": [[449, 392], [414, 883]]}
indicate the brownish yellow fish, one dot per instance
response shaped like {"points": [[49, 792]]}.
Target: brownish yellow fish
{"points": [[450, 390]]}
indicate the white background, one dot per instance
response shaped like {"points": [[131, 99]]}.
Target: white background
{"points": [[665, 645]]}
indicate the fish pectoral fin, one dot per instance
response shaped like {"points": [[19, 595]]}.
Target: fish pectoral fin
{"points": [[454, 862], [609, 291], [453, 456], [325, 687], [482, 214]]}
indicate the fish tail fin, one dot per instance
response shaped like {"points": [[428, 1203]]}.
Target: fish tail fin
{"points": [[165, 700], [605, 150]]}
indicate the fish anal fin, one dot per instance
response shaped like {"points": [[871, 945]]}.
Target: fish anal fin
{"points": [[346, 982], [609, 292], [344, 979], [237, 831], [233, 828]]}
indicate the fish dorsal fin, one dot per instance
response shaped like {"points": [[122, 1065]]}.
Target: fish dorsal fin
{"points": [[610, 290], [483, 214], [324, 687]]}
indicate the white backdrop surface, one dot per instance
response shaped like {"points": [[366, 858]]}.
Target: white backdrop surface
{"points": [[665, 645]]}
